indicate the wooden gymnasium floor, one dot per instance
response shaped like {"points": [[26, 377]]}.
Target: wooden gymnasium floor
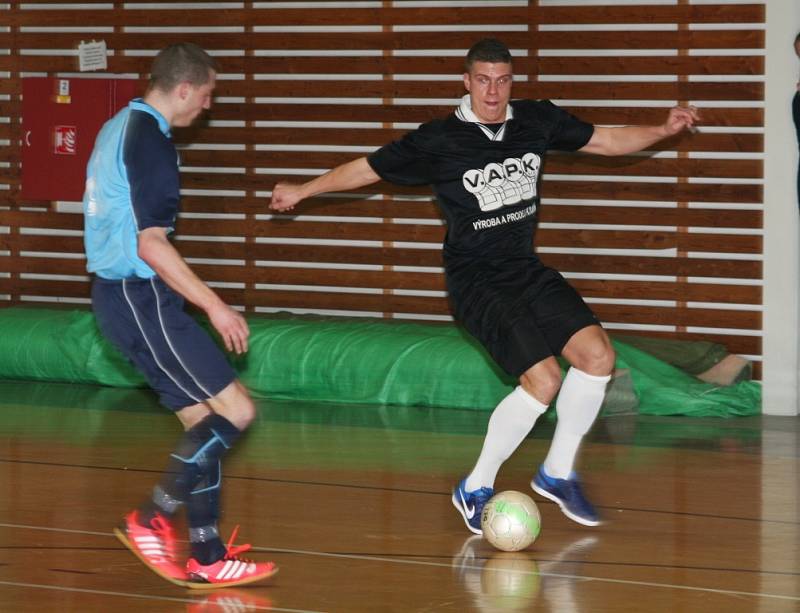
{"points": [[353, 503]]}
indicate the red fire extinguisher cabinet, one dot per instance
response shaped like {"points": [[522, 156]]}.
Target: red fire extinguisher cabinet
{"points": [[60, 120]]}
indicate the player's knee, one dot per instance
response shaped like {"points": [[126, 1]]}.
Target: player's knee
{"points": [[607, 360], [598, 359], [542, 385]]}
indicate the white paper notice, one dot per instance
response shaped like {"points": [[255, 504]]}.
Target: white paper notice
{"points": [[92, 55]]}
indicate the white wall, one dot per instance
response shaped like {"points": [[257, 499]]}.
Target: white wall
{"points": [[781, 269]]}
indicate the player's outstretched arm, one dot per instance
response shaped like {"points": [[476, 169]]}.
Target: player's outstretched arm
{"points": [[351, 175], [629, 139]]}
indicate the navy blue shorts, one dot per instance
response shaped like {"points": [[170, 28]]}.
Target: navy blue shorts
{"points": [[145, 320], [521, 311]]}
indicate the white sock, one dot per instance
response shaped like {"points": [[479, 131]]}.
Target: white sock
{"points": [[509, 424], [577, 407]]}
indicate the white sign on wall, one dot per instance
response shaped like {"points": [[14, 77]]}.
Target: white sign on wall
{"points": [[92, 55]]}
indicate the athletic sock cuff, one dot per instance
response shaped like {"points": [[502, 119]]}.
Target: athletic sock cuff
{"points": [[224, 429], [529, 400], [593, 378]]}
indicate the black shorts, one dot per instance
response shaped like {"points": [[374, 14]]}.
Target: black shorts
{"points": [[521, 311], [145, 320]]}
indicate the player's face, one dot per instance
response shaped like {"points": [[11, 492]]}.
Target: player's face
{"points": [[194, 99], [489, 87]]}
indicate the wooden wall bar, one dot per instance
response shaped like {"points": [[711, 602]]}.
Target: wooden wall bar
{"points": [[665, 244]]}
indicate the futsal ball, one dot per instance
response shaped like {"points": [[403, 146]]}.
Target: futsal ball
{"points": [[510, 521]]}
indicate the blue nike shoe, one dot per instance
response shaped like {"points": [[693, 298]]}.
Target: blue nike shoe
{"points": [[568, 495], [470, 504]]}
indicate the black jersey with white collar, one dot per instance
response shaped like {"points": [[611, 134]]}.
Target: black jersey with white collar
{"points": [[486, 182]]}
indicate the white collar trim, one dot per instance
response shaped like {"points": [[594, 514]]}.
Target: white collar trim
{"points": [[464, 113]]}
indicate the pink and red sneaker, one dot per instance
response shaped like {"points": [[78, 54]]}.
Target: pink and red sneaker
{"points": [[155, 546], [229, 571]]}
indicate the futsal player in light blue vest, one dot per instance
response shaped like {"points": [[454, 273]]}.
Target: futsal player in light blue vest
{"points": [[140, 283]]}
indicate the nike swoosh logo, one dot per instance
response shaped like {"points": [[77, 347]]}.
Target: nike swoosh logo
{"points": [[468, 511]]}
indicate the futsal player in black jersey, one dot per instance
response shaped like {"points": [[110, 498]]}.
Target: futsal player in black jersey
{"points": [[483, 162]]}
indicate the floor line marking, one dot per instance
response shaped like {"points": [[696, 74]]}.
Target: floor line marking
{"points": [[59, 588], [350, 556], [587, 578]]}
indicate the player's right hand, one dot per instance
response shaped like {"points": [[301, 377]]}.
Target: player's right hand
{"points": [[232, 327], [285, 196]]}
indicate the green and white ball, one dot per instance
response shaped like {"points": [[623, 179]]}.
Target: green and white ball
{"points": [[510, 521]]}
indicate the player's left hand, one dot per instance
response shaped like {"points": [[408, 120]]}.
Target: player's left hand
{"points": [[681, 118]]}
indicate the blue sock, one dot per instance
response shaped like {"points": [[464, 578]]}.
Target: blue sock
{"points": [[193, 476]]}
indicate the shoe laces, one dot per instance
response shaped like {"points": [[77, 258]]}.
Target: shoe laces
{"points": [[575, 494], [483, 495], [233, 551], [163, 530]]}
